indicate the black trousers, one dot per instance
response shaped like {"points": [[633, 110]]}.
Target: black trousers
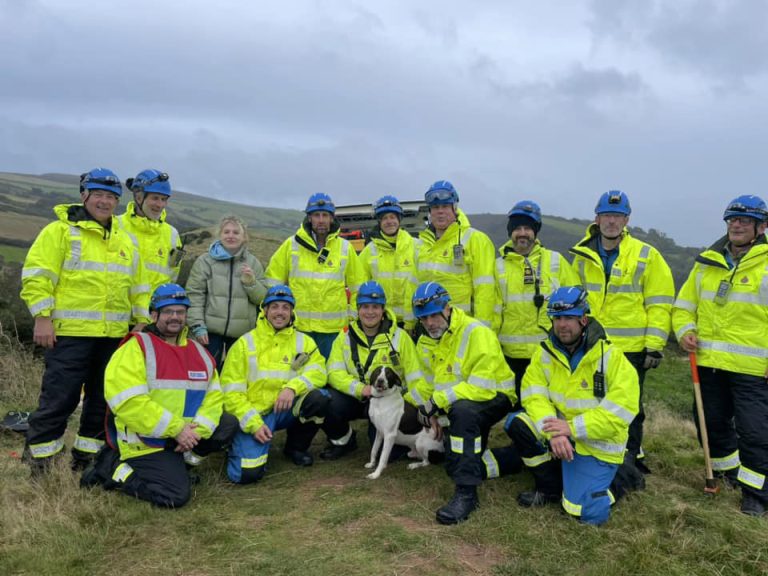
{"points": [[635, 441], [162, 479], [467, 437], [736, 413], [342, 409], [73, 365], [518, 366]]}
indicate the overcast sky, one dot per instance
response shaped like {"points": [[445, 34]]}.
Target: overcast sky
{"points": [[266, 102]]}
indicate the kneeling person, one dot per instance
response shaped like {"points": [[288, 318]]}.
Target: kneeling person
{"points": [[273, 380], [470, 383], [164, 391], [372, 341], [580, 395]]}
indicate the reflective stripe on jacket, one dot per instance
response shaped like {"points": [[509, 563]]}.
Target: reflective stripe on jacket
{"points": [[465, 364], [342, 373], [89, 280], [158, 242], [394, 267], [731, 335], [635, 306], [523, 325], [551, 390], [154, 388], [320, 287], [261, 364], [471, 284]]}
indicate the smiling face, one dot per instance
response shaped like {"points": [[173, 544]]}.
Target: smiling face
{"points": [[232, 236], [151, 204], [743, 230], [278, 314], [370, 316], [389, 223], [568, 329], [100, 204], [170, 320], [523, 238], [442, 216]]}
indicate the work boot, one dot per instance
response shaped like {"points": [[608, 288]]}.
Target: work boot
{"points": [[459, 507], [299, 457], [99, 473], [534, 499], [335, 451], [751, 505], [730, 478]]}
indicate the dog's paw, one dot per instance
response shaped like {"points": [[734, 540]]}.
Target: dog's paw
{"points": [[414, 465], [370, 464], [413, 454], [373, 475]]}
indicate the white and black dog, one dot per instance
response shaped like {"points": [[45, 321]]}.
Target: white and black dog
{"points": [[385, 411]]}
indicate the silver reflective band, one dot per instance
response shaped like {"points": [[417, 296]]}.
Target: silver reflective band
{"points": [[44, 304], [685, 305], [653, 300], [126, 394], [733, 349], [33, 272]]}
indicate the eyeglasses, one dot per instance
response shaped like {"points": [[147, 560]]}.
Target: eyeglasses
{"points": [[166, 312], [439, 196]]}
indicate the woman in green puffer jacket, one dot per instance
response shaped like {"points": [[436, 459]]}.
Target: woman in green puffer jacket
{"points": [[225, 287]]}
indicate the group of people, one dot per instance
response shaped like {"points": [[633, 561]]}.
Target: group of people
{"points": [[558, 351]]}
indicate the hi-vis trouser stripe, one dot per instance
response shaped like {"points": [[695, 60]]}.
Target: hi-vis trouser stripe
{"points": [[46, 449], [122, 472], [253, 462], [575, 509], [751, 478], [461, 445], [726, 462], [89, 445], [540, 459], [491, 464]]}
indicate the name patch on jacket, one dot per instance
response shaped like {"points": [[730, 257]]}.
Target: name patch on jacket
{"points": [[193, 375]]}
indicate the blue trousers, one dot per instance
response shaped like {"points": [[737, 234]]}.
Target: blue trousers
{"points": [[586, 483], [248, 457]]}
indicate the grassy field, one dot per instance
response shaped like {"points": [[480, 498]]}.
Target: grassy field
{"points": [[331, 520]]}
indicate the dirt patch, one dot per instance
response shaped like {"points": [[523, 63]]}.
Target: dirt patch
{"points": [[478, 559]]}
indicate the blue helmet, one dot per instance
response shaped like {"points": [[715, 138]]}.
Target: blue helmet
{"points": [[101, 179], [440, 193], [371, 292], [568, 301], [150, 181], [613, 201], [525, 209], [387, 204], [168, 295], [279, 293], [429, 298], [320, 202], [748, 207]]}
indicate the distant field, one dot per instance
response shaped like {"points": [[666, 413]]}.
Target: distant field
{"points": [[13, 253], [21, 226]]}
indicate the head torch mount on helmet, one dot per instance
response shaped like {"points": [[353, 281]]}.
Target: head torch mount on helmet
{"points": [[429, 298], [279, 293], [746, 206], [167, 295], [387, 204], [568, 301], [613, 202], [371, 292], [101, 179], [320, 202]]}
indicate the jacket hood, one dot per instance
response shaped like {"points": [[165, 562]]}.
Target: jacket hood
{"points": [[77, 214], [305, 233], [461, 220], [715, 254], [218, 252], [593, 333]]}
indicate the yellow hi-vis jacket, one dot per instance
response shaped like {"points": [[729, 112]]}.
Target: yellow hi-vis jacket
{"points": [[159, 245], [470, 283], [551, 389], [154, 388], [635, 305], [392, 263], [732, 331], [261, 364], [523, 326], [465, 364], [89, 280], [342, 372], [319, 279]]}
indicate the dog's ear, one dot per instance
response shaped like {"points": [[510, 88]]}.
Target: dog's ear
{"points": [[392, 377]]}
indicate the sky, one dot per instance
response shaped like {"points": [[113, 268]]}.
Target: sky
{"points": [[267, 102]]}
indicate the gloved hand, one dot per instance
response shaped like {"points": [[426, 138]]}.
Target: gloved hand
{"points": [[426, 411], [652, 359]]}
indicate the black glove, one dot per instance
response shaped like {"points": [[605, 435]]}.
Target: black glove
{"points": [[426, 411], [652, 359]]}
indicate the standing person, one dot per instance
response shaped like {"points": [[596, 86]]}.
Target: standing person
{"points": [[164, 392], [373, 340], [525, 273], [83, 282], [579, 394], [630, 290], [457, 256], [144, 218], [390, 259], [273, 381], [225, 288], [721, 315], [322, 270], [468, 381]]}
